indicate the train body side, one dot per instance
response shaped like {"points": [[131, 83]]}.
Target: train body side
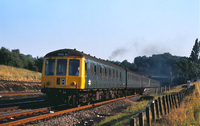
{"points": [[135, 80], [103, 76]]}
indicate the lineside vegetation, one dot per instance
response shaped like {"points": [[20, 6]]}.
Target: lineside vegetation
{"points": [[187, 114], [19, 74]]}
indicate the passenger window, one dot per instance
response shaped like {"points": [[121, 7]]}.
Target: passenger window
{"points": [[105, 72], [110, 72], [100, 70], [61, 67], [95, 70], [120, 75], [49, 67], [74, 67]]}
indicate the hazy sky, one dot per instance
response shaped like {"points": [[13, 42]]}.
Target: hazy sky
{"points": [[108, 29]]}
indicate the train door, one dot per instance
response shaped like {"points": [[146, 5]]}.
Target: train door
{"points": [[87, 74]]}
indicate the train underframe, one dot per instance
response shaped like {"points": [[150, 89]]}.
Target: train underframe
{"points": [[73, 97]]}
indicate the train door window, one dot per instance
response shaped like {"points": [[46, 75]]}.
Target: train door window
{"points": [[49, 67], [85, 68], [95, 70], [61, 67], [74, 66]]}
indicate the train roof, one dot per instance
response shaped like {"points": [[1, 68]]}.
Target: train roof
{"points": [[65, 52], [74, 52]]}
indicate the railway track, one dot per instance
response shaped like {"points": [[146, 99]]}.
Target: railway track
{"points": [[45, 113], [19, 93]]}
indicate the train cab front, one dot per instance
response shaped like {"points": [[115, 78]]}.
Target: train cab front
{"points": [[62, 75]]}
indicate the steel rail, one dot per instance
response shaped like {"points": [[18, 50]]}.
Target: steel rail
{"points": [[23, 93], [24, 113], [50, 115], [22, 102]]}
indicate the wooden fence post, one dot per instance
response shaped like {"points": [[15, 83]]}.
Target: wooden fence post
{"points": [[170, 102], [164, 104], [148, 116], [176, 98], [157, 109], [172, 99], [160, 105], [141, 119], [167, 101], [153, 111], [133, 122]]}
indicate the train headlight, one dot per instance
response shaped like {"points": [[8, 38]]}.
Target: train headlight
{"points": [[73, 83], [48, 83]]}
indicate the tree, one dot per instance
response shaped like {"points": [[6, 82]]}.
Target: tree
{"points": [[195, 52], [16, 59], [5, 56], [39, 63]]}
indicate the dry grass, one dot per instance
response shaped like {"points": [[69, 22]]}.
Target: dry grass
{"points": [[188, 114], [12, 73]]}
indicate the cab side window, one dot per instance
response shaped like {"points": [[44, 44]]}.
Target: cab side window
{"points": [[49, 67]]}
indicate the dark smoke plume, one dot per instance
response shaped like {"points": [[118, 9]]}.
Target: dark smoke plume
{"points": [[117, 52]]}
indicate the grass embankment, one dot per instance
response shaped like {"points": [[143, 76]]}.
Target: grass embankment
{"points": [[121, 118], [187, 115], [18, 74]]}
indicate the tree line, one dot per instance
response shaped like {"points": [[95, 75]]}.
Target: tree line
{"points": [[181, 68], [16, 59]]}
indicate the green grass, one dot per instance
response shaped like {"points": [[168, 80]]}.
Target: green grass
{"points": [[12, 73], [121, 118]]}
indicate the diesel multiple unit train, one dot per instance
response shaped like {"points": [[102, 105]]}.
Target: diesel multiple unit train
{"points": [[75, 77]]}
